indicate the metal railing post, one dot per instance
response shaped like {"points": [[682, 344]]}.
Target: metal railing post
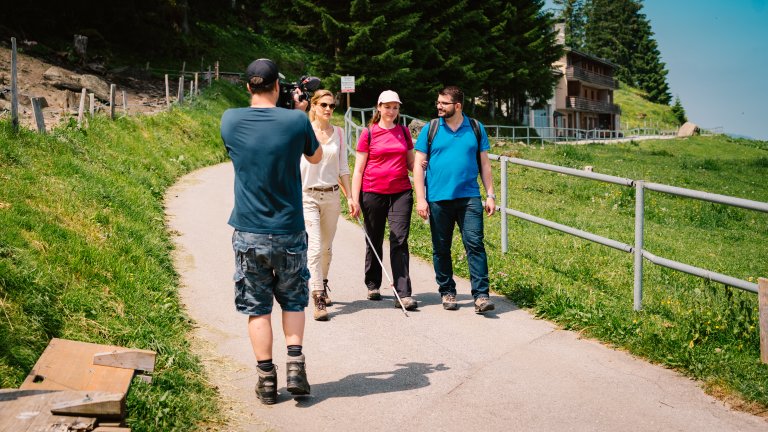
{"points": [[638, 250], [503, 183]]}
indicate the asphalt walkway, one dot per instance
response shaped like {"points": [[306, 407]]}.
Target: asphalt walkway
{"points": [[373, 369]]}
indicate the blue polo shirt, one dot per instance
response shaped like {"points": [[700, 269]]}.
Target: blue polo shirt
{"points": [[265, 145], [452, 171]]}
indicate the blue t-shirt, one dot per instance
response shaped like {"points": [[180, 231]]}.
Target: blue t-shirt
{"points": [[265, 145], [452, 171]]}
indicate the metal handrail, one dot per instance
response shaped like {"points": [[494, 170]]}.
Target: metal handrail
{"points": [[636, 249]]}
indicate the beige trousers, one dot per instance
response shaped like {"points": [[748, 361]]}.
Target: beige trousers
{"points": [[321, 213]]}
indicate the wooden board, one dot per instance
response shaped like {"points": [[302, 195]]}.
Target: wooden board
{"points": [[127, 359], [29, 410], [68, 365]]}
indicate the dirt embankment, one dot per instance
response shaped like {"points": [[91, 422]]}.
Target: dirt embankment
{"points": [[38, 78]]}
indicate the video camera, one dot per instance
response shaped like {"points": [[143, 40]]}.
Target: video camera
{"points": [[307, 85]]}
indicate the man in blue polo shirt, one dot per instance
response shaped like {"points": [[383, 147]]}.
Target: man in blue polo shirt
{"points": [[447, 193], [266, 144]]}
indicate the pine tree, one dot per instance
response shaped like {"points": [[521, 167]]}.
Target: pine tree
{"points": [[679, 111], [647, 69]]}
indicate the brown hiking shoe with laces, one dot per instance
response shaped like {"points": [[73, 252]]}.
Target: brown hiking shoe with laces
{"points": [[321, 314], [266, 386], [483, 304], [409, 303], [449, 302], [325, 293], [297, 376], [374, 294]]}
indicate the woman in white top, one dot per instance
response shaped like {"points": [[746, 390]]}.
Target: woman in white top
{"points": [[320, 184]]}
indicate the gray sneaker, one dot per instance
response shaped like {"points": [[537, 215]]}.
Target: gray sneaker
{"points": [[297, 376], [266, 386], [409, 303], [449, 302], [374, 294], [483, 305]]}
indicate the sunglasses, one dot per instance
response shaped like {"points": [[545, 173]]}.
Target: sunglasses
{"points": [[327, 105]]}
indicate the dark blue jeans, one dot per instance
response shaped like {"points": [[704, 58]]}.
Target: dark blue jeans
{"points": [[468, 214]]}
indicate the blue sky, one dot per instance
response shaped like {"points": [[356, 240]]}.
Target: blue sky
{"points": [[716, 52]]}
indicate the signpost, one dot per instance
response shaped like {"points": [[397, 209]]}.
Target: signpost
{"points": [[348, 86]]}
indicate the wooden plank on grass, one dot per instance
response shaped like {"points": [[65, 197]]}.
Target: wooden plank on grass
{"points": [[127, 359], [762, 294], [68, 365], [91, 404], [29, 410]]}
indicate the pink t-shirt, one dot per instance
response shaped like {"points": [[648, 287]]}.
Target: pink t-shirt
{"points": [[386, 171]]}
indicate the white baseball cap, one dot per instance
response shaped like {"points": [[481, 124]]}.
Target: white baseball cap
{"points": [[388, 96]]}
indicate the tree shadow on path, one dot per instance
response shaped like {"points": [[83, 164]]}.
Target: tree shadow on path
{"points": [[408, 376]]}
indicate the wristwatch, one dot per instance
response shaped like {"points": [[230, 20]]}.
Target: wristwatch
{"points": [[491, 196]]}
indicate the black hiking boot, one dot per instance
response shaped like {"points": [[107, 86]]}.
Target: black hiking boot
{"points": [[297, 376], [266, 386]]}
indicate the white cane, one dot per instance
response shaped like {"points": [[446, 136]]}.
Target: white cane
{"points": [[391, 283]]}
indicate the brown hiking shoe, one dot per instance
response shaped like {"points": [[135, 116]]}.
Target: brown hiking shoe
{"points": [[374, 294], [449, 302], [321, 314], [325, 293], [409, 303], [483, 304], [297, 376], [266, 386]]}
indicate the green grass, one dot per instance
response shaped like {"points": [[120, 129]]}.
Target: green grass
{"points": [[85, 254], [637, 111], [700, 328]]}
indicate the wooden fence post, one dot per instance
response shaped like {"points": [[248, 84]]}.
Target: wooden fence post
{"points": [[762, 294], [217, 70], [91, 104], [39, 120], [197, 89], [208, 76], [183, 68], [180, 95], [125, 104], [167, 93], [81, 109], [112, 88], [14, 89]]}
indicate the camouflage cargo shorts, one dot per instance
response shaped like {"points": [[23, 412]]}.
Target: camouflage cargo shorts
{"points": [[270, 267]]}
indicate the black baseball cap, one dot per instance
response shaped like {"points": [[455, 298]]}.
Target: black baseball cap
{"points": [[262, 68]]}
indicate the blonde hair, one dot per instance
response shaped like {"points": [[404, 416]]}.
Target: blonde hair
{"points": [[316, 97]]}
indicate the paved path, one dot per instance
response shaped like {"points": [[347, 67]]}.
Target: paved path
{"points": [[373, 369]]}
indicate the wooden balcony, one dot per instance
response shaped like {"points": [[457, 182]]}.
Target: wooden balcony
{"points": [[582, 104], [575, 73]]}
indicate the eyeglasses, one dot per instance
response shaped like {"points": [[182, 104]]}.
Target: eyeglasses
{"points": [[439, 103], [327, 105]]}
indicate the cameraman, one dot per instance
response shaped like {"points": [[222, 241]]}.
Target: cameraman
{"points": [[265, 144]]}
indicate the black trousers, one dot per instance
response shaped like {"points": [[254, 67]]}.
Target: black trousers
{"points": [[377, 210]]}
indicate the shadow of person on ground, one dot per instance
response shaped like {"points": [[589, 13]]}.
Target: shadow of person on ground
{"points": [[408, 376]]}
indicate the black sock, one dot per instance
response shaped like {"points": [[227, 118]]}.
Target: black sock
{"points": [[294, 350], [265, 365]]}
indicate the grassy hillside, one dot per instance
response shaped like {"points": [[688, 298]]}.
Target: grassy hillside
{"points": [[700, 328], [85, 255], [637, 112]]}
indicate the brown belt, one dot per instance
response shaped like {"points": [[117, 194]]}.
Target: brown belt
{"points": [[324, 189]]}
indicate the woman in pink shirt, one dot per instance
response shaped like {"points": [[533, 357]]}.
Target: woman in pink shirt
{"points": [[382, 191]]}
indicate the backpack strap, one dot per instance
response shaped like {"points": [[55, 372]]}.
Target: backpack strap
{"points": [[479, 137], [434, 124]]}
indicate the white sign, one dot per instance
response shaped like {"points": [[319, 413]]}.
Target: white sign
{"points": [[348, 84]]}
